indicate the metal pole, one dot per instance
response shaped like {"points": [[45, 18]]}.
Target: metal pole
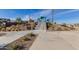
{"points": [[52, 15]]}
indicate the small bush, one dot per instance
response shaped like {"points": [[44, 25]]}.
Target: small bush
{"points": [[31, 34], [17, 47], [26, 39]]}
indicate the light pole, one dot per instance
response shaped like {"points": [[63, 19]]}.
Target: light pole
{"points": [[52, 15]]}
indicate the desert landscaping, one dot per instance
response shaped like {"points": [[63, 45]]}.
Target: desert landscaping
{"points": [[31, 35], [38, 34], [51, 36]]}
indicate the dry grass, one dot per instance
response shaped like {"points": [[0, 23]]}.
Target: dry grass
{"points": [[56, 27], [22, 43]]}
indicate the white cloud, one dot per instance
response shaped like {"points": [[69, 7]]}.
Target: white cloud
{"points": [[26, 17], [66, 12], [38, 14], [42, 13]]}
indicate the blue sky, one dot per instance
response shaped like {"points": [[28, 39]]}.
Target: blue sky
{"points": [[59, 15], [66, 15], [13, 13]]}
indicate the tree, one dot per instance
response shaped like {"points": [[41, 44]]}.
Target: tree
{"points": [[38, 20], [43, 18], [55, 23], [47, 20], [18, 20], [64, 24], [8, 20]]}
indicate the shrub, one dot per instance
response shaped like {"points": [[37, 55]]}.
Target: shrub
{"points": [[31, 34], [26, 39], [17, 47]]}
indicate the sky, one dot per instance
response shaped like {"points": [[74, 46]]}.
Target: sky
{"points": [[66, 15], [59, 15], [13, 13]]}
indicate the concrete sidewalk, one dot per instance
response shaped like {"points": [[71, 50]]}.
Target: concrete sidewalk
{"points": [[57, 40], [11, 36], [14, 35]]}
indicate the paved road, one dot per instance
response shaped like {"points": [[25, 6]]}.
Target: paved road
{"points": [[57, 40]]}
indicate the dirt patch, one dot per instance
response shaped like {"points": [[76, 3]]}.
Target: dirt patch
{"points": [[2, 34], [22, 43]]}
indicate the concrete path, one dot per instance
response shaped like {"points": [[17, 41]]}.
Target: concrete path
{"points": [[14, 35], [11, 36], [57, 40]]}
